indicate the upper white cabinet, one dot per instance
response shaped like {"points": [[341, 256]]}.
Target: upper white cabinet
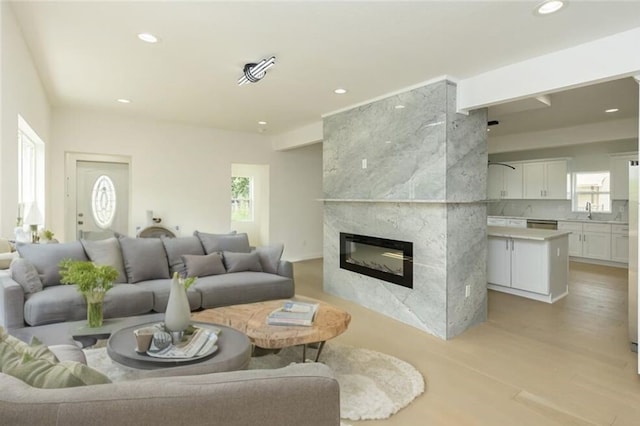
{"points": [[545, 180], [504, 182], [619, 165]]}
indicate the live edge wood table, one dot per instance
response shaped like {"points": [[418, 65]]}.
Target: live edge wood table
{"points": [[251, 319]]}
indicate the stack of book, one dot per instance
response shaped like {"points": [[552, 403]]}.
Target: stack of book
{"points": [[293, 313]]}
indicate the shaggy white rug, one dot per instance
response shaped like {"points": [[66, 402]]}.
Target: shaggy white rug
{"points": [[373, 385]]}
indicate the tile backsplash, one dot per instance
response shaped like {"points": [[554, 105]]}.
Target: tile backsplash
{"points": [[553, 209]]}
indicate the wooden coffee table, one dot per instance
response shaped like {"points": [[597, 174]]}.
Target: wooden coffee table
{"points": [[251, 319]]}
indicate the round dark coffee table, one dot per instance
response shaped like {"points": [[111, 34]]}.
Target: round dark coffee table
{"points": [[234, 353]]}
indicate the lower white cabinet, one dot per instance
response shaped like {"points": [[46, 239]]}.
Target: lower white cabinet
{"points": [[620, 243], [599, 241], [530, 268]]}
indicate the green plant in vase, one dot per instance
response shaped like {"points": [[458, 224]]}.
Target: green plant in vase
{"points": [[93, 282]]}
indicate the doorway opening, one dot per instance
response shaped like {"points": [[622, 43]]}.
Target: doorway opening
{"points": [[97, 196], [250, 201]]}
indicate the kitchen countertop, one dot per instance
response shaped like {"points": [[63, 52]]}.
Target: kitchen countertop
{"points": [[614, 222], [525, 233]]}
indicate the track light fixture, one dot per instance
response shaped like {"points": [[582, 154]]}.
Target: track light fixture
{"points": [[253, 73]]}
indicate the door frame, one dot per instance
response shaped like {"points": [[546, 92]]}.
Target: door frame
{"points": [[71, 160]]}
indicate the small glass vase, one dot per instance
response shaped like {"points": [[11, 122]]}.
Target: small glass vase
{"points": [[94, 308]]}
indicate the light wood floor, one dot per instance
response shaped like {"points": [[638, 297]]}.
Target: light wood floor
{"points": [[530, 364]]}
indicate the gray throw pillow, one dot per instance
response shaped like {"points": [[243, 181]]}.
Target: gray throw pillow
{"points": [[106, 252], [270, 257], [212, 243], [202, 266], [177, 247], [25, 274], [47, 257], [144, 259], [240, 262]]}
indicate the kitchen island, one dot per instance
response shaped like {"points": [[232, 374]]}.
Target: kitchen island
{"points": [[532, 263]]}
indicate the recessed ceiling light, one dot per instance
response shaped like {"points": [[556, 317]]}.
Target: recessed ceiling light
{"points": [[399, 107], [488, 130], [549, 6], [262, 123], [387, 141], [340, 91], [124, 101], [611, 110], [149, 38]]}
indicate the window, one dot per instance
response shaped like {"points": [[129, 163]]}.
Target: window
{"points": [[594, 188], [30, 168], [241, 199], [103, 201]]}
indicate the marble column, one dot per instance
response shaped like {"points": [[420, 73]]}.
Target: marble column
{"points": [[409, 168]]}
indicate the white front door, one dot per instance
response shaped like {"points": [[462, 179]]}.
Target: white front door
{"points": [[97, 198]]}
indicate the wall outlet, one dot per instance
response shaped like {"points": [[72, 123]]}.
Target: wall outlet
{"points": [[467, 290], [364, 163]]}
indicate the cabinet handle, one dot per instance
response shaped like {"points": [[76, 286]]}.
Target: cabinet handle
{"points": [[579, 237], [507, 247], [511, 245], [584, 238], [541, 192]]}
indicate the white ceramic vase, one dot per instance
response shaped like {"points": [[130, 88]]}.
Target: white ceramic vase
{"points": [[178, 314]]}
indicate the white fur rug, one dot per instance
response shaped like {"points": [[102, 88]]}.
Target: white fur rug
{"points": [[373, 385]]}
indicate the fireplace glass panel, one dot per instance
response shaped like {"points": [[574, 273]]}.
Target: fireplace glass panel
{"points": [[388, 260], [374, 257]]}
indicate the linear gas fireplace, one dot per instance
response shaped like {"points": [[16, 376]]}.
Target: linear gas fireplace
{"points": [[388, 260]]}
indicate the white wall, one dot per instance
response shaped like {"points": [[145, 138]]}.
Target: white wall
{"points": [[22, 93], [183, 172]]}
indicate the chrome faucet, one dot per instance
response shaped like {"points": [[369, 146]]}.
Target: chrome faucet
{"points": [[588, 209]]}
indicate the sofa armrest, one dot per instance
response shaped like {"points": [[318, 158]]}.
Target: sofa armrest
{"points": [[285, 269], [11, 302], [302, 394]]}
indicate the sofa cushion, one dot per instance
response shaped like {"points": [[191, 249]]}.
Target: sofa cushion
{"points": [[161, 290], [11, 347], [240, 262], [202, 266], [242, 287], [144, 259], [25, 274], [213, 243], [106, 252], [176, 247], [270, 257], [64, 303], [42, 373], [46, 258]]}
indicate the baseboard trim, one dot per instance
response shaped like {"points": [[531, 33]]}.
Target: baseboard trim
{"points": [[303, 258], [599, 262]]}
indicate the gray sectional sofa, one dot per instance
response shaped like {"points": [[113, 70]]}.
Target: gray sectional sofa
{"points": [[229, 272], [300, 394]]}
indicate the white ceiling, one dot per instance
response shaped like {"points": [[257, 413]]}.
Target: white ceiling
{"points": [[88, 55]]}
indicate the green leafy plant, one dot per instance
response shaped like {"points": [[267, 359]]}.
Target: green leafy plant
{"points": [[47, 234], [88, 276], [93, 282], [185, 282]]}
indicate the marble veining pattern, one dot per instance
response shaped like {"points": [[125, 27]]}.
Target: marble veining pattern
{"points": [[424, 152]]}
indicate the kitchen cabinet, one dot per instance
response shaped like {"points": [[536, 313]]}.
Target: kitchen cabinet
{"points": [[596, 241], [620, 243], [504, 182], [619, 166], [545, 180], [599, 241], [536, 268]]}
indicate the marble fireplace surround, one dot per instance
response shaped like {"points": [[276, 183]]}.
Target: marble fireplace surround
{"points": [[424, 182]]}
